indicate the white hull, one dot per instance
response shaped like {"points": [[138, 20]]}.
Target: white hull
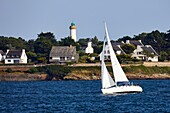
{"points": [[122, 89]]}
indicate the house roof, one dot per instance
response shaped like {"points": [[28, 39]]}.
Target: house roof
{"points": [[116, 46], [149, 49], [63, 51], [2, 53], [136, 42], [14, 54], [116, 43]]}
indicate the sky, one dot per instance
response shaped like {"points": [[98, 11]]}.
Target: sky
{"points": [[27, 18]]}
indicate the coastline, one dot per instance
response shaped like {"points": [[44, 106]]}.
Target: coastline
{"points": [[42, 77], [86, 72]]}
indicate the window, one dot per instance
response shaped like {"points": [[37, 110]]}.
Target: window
{"points": [[16, 61], [109, 57], [139, 53], [62, 58], [68, 58], [9, 60]]}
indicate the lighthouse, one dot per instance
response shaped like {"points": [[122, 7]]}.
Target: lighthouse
{"points": [[73, 31]]}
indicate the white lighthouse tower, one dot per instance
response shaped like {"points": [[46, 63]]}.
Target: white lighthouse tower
{"points": [[73, 31]]}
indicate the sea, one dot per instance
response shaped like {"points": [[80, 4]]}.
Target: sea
{"points": [[82, 97]]}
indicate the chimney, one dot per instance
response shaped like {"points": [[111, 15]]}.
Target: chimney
{"points": [[127, 42], [89, 44], [140, 41], [23, 50], [122, 42], [7, 51], [147, 45]]}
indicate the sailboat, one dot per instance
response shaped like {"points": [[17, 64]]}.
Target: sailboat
{"points": [[120, 84]]}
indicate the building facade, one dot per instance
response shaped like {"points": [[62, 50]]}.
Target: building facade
{"points": [[89, 49], [116, 47], [2, 56], [63, 54], [143, 52], [16, 57]]}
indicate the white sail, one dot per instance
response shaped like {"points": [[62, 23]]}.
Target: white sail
{"points": [[118, 72], [107, 80]]}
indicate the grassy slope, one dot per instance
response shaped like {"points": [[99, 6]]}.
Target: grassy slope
{"points": [[88, 73], [85, 73]]}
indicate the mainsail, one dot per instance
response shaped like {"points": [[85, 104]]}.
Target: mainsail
{"points": [[118, 72]]}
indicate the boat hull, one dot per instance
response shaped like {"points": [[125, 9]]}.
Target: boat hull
{"points": [[122, 89]]}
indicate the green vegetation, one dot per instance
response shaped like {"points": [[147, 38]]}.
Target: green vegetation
{"points": [[33, 70], [59, 72], [9, 70], [128, 48], [146, 70], [38, 50], [158, 40]]}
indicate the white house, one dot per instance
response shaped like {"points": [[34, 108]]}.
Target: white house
{"points": [[2, 56], [63, 54], [16, 57], [89, 48], [116, 47], [141, 51]]}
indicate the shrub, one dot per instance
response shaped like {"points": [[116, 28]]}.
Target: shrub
{"points": [[9, 70], [56, 71], [33, 70]]}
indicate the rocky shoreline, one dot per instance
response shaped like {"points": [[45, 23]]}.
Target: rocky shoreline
{"points": [[83, 73], [129, 76], [42, 77]]}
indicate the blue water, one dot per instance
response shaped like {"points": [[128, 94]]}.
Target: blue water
{"points": [[81, 96]]}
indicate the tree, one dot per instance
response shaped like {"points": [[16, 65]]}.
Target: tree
{"points": [[95, 40], [148, 54], [42, 45], [44, 42], [128, 48], [50, 36], [67, 41], [30, 45], [140, 36], [163, 56], [83, 42], [12, 43], [124, 38], [32, 57], [98, 47]]}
